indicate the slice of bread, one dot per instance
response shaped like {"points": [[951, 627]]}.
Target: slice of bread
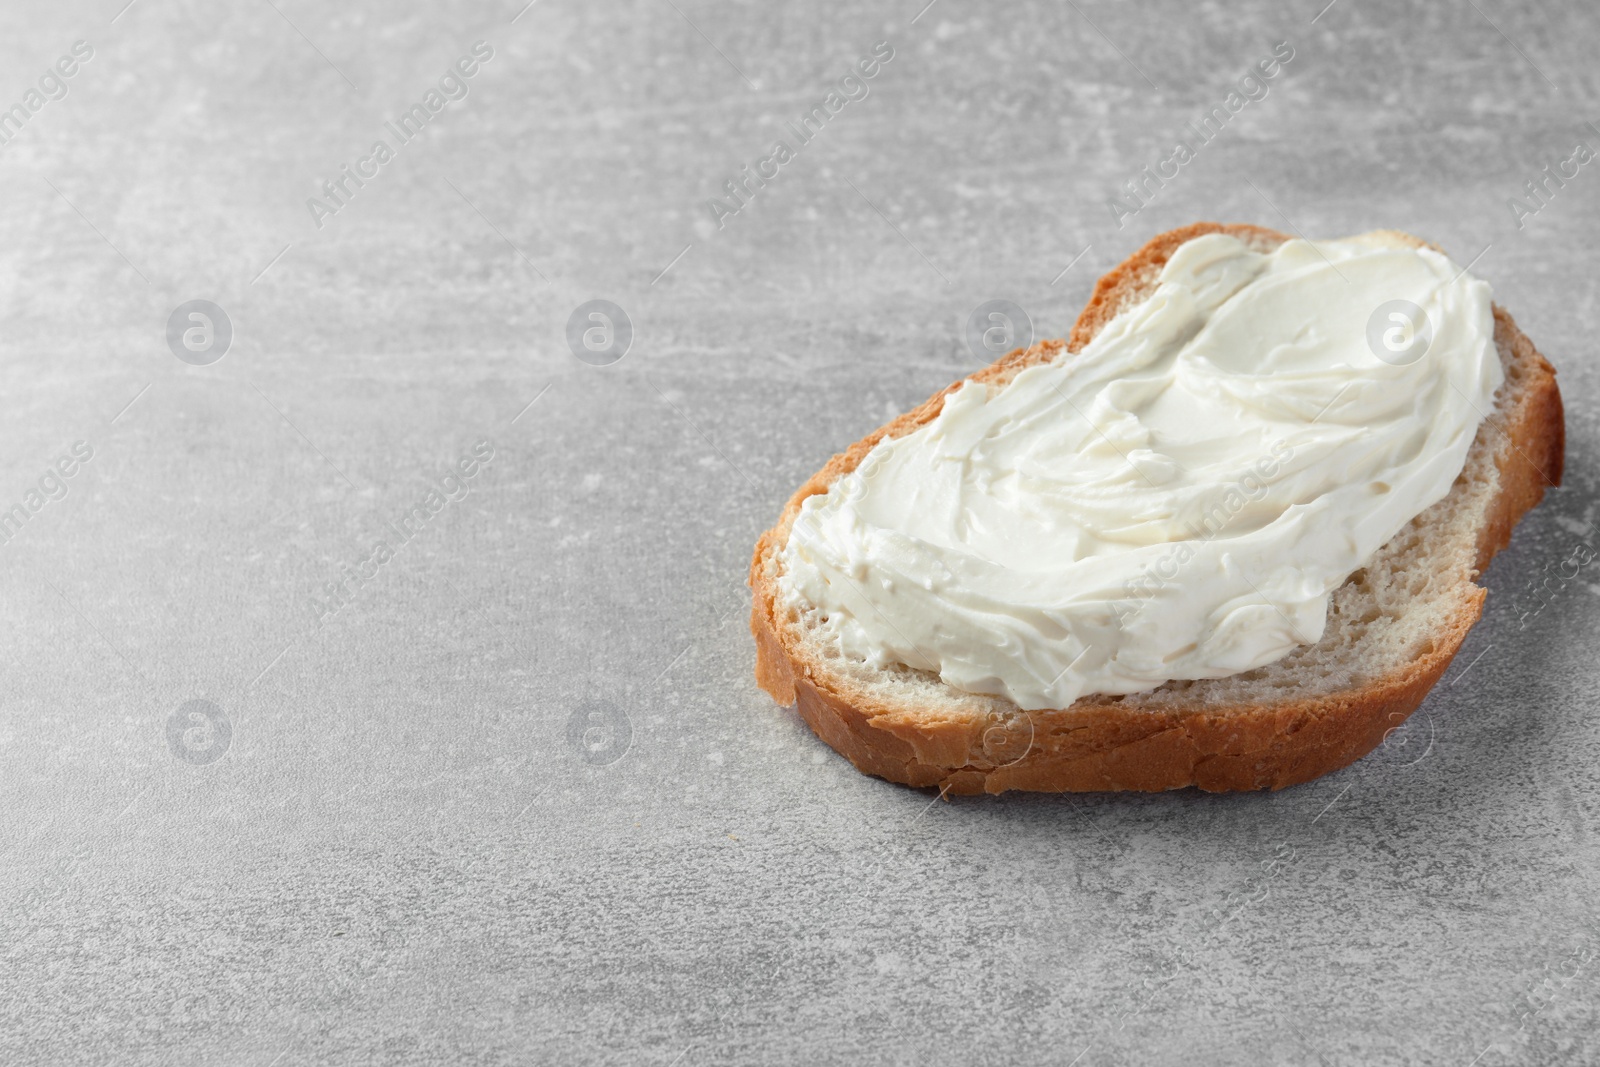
{"points": [[1392, 628]]}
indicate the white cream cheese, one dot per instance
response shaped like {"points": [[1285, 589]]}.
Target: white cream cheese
{"points": [[1179, 499]]}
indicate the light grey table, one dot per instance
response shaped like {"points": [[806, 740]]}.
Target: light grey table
{"points": [[514, 796]]}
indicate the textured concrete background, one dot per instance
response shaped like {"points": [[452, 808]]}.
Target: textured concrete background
{"points": [[520, 800]]}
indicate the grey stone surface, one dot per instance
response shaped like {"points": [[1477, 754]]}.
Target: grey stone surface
{"points": [[407, 851]]}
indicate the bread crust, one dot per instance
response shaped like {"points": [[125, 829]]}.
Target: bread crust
{"points": [[1101, 743]]}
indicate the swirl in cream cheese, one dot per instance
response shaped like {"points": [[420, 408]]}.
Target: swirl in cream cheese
{"points": [[1177, 500]]}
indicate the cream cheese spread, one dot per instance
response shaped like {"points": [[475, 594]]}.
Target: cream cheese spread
{"points": [[1179, 499]]}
